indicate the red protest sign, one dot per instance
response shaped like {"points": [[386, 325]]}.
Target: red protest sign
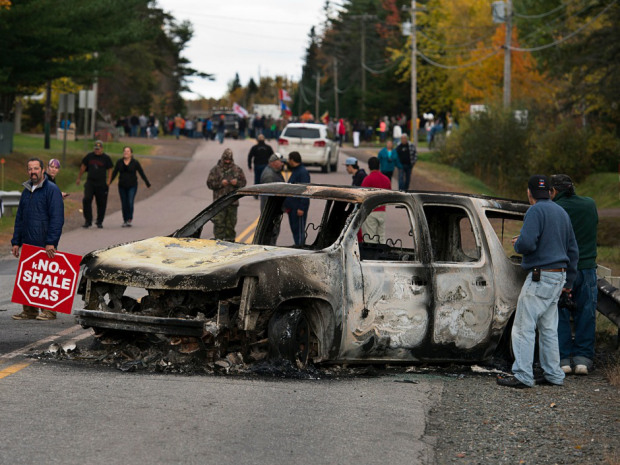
{"points": [[46, 282]]}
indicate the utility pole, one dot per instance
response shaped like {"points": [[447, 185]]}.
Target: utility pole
{"points": [[414, 78], [316, 96], [507, 51], [336, 87], [362, 64]]}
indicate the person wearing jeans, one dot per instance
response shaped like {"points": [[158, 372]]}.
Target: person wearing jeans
{"points": [[550, 254], [584, 219], [126, 168]]}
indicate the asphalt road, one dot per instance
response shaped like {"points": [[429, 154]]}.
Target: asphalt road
{"points": [[63, 412]]}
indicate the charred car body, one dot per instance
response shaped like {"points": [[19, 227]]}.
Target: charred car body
{"points": [[441, 286]]}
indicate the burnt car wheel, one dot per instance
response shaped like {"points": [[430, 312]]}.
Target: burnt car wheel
{"points": [[289, 336]]}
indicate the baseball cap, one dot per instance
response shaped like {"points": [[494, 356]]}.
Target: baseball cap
{"points": [[98, 144], [274, 157], [351, 161], [561, 182], [539, 186]]}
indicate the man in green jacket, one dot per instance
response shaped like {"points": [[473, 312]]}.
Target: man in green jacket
{"points": [[584, 218]]}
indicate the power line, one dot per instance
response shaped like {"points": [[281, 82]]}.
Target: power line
{"points": [[467, 65], [564, 39], [541, 15]]}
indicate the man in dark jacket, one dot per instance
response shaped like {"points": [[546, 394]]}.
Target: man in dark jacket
{"points": [[297, 208], [99, 167], [39, 220], [259, 154], [408, 156], [272, 173], [358, 174], [584, 218]]}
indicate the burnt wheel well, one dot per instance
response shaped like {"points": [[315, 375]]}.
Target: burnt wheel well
{"points": [[320, 316]]}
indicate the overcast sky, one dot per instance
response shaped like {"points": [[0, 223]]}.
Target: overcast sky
{"points": [[250, 37]]}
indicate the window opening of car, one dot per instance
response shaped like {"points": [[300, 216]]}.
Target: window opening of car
{"points": [[453, 238], [302, 133], [506, 225], [398, 242]]}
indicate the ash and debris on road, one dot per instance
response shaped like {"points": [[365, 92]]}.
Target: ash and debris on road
{"points": [[475, 422]]}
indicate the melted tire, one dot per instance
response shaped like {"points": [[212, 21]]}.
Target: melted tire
{"points": [[289, 337]]}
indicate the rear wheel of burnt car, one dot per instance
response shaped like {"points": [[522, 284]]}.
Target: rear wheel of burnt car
{"points": [[289, 336]]}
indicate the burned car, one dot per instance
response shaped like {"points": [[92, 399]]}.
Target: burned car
{"points": [[441, 286]]}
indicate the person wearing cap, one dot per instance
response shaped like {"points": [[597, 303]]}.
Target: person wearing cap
{"points": [[352, 166], [224, 178], [550, 254], [584, 219], [271, 173], [407, 156], [127, 169], [53, 167], [39, 220], [99, 167], [373, 228], [297, 208], [259, 155]]}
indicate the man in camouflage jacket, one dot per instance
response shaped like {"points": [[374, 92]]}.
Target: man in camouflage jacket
{"points": [[225, 177]]}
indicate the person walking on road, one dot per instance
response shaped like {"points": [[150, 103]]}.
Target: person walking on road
{"points": [[259, 155], [39, 221], [271, 173], [358, 174], [584, 219], [373, 229], [224, 178], [126, 168], [99, 167], [550, 254], [388, 160], [297, 208], [407, 157]]}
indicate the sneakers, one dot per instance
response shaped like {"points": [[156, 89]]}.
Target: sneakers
{"points": [[24, 316], [567, 369], [542, 381], [512, 382], [581, 370], [126, 224]]}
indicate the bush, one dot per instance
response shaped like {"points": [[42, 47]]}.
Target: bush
{"points": [[494, 147]]}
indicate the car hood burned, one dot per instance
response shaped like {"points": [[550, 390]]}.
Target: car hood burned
{"points": [[177, 263]]}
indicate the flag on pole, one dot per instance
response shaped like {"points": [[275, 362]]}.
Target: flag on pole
{"points": [[285, 108], [325, 117], [242, 112], [284, 95]]}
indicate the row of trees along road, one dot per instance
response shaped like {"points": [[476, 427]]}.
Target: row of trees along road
{"points": [[131, 47]]}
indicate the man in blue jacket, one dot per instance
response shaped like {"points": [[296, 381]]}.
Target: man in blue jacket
{"points": [[550, 255], [39, 220], [297, 208]]}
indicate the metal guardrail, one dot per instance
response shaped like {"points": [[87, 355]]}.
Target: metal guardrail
{"points": [[9, 200]]}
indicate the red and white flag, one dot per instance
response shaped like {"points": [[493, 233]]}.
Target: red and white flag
{"points": [[284, 95], [242, 112]]}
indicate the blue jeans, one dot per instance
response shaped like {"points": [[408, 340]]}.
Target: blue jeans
{"points": [[538, 308], [404, 177], [581, 349], [258, 171], [220, 137], [128, 194], [298, 226]]}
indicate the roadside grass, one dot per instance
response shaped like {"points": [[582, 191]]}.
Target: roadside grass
{"points": [[28, 146], [604, 188]]}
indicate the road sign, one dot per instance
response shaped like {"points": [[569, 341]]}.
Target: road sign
{"points": [[45, 282]]}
